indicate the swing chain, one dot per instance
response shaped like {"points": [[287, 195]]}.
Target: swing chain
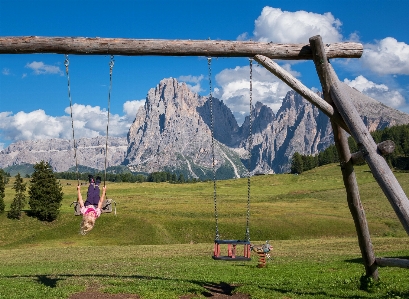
{"points": [[209, 64], [111, 66], [250, 146], [67, 63]]}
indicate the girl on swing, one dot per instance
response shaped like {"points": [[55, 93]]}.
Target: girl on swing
{"points": [[91, 209]]}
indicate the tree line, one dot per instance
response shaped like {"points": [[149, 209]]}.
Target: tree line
{"points": [[44, 194], [399, 159], [129, 177]]}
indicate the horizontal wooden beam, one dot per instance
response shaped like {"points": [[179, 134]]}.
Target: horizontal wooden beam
{"points": [[140, 47]]}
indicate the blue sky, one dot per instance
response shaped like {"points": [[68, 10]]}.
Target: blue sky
{"points": [[33, 88]]}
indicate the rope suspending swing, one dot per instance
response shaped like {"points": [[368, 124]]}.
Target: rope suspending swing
{"points": [[107, 205], [231, 244]]}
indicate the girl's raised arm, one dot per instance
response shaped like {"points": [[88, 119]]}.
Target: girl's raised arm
{"points": [[79, 196], [101, 199]]}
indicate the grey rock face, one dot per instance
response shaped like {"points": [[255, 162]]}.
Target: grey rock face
{"points": [[169, 133], [301, 127], [59, 153], [172, 133]]}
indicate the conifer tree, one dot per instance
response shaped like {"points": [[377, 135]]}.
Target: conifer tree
{"points": [[2, 192], [297, 163], [19, 200], [45, 193]]}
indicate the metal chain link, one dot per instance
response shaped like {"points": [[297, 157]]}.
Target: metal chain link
{"points": [[209, 64], [111, 66], [250, 147], [67, 63]]}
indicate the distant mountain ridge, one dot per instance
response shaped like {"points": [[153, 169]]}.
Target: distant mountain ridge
{"points": [[59, 153], [171, 132]]}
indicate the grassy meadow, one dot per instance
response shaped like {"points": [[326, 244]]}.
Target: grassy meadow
{"points": [[160, 242]]}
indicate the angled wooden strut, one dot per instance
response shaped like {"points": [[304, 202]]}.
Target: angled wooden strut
{"points": [[303, 90], [348, 174], [138, 47], [341, 94]]}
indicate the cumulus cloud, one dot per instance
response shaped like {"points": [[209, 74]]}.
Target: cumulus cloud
{"points": [[32, 125], [295, 27], [234, 89], [196, 87], [380, 92], [40, 68], [130, 108], [387, 56], [88, 122]]}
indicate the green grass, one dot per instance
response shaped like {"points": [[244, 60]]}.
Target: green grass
{"points": [[160, 243], [316, 268]]}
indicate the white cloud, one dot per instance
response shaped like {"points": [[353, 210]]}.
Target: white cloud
{"points": [[88, 122], [295, 27], [192, 79], [380, 92], [387, 56], [32, 125], [234, 89], [91, 121], [130, 108], [6, 71], [243, 36], [39, 68]]}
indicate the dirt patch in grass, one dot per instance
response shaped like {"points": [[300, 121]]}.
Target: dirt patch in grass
{"points": [[216, 291], [96, 295]]}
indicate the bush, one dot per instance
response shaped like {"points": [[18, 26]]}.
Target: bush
{"points": [[19, 200], [45, 193]]}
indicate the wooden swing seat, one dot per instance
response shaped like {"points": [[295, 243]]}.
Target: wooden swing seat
{"points": [[231, 250]]}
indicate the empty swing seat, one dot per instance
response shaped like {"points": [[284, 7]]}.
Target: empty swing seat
{"points": [[231, 250]]}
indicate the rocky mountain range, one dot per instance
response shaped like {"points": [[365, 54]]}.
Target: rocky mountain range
{"points": [[172, 132]]}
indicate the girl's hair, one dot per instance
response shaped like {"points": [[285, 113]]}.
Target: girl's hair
{"points": [[87, 223]]}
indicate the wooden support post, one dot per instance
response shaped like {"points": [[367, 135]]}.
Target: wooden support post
{"points": [[392, 262], [303, 90], [379, 168], [348, 173]]}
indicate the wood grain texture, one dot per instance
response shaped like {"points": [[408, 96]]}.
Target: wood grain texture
{"points": [[322, 66], [137, 47]]}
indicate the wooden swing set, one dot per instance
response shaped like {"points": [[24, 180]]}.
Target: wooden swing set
{"points": [[337, 105]]}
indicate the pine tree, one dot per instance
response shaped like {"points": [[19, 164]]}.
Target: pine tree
{"points": [[2, 192], [296, 163], [19, 200], [45, 193]]}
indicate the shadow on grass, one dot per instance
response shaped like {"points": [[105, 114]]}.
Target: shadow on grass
{"points": [[360, 260], [314, 294], [211, 288], [48, 281]]}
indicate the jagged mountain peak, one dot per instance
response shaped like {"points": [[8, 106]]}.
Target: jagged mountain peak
{"points": [[172, 132]]}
